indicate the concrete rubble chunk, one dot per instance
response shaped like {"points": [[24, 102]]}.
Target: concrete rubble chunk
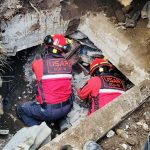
{"points": [[124, 135], [27, 32], [147, 116], [143, 124], [126, 147], [99, 123], [29, 138], [110, 134], [118, 47]]}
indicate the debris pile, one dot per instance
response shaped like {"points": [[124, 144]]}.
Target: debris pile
{"points": [[124, 136], [130, 15]]}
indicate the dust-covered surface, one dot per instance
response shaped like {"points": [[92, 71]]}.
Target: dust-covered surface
{"points": [[21, 88], [134, 131], [136, 127]]}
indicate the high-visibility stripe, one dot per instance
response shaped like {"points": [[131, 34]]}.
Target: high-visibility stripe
{"points": [[110, 91], [53, 76]]}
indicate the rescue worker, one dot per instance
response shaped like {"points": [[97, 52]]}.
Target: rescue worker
{"points": [[103, 87], [54, 97]]}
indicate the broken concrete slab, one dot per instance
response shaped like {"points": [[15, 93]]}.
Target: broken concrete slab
{"points": [[29, 138], [122, 50], [99, 123], [31, 29]]}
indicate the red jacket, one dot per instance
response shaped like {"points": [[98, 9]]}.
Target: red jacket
{"points": [[106, 88], [55, 77]]}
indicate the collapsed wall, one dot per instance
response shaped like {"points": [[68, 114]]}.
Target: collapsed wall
{"points": [[129, 53], [31, 29]]}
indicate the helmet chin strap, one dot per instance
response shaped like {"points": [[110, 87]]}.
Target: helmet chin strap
{"points": [[56, 47]]}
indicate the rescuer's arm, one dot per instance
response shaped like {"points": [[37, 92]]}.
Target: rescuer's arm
{"points": [[91, 88], [84, 92]]}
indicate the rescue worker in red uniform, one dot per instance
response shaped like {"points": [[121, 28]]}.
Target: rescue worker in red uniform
{"points": [[53, 83], [103, 87]]}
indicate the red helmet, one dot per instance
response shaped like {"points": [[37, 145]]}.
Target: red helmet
{"points": [[57, 41], [97, 62]]}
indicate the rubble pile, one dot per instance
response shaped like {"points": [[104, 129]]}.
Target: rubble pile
{"points": [[131, 134]]}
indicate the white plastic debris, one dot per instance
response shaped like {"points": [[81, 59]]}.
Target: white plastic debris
{"points": [[4, 132], [29, 138], [126, 147], [110, 134]]}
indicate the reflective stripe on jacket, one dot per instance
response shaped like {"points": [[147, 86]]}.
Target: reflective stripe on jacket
{"points": [[55, 76], [106, 90]]}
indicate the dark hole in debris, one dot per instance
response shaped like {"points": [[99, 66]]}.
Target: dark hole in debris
{"points": [[3, 31], [66, 147]]}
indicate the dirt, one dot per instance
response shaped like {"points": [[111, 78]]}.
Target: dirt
{"points": [[137, 132]]}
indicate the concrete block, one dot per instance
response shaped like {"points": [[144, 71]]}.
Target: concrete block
{"points": [[99, 123], [120, 47], [30, 29]]}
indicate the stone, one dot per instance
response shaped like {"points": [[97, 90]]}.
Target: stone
{"points": [[110, 134], [146, 115], [124, 135], [143, 124], [126, 147], [120, 15]]}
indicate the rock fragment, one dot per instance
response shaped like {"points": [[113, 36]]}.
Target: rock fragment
{"points": [[124, 135], [110, 134]]}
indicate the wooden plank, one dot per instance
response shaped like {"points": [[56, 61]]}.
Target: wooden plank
{"points": [[99, 123]]}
